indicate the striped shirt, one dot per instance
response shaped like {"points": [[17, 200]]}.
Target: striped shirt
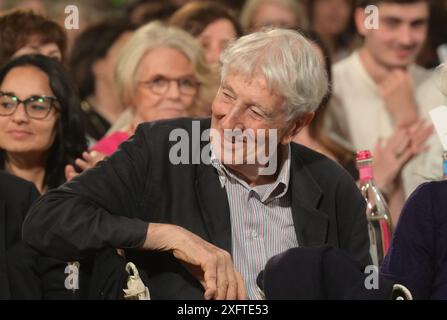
{"points": [[261, 221]]}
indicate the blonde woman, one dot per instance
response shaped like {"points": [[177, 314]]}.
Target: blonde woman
{"points": [[161, 74]]}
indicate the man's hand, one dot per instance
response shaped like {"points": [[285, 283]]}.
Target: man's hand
{"points": [[397, 92], [211, 265]]}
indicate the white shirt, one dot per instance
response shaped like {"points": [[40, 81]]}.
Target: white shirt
{"points": [[358, 114]]}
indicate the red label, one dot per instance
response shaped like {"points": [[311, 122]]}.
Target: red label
{"points": [[366, 173]]}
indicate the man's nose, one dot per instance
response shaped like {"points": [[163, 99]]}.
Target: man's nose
{"points": [[213, 54], [406, 36], [233, 119]]}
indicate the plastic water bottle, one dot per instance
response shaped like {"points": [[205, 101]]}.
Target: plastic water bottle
{"points": [[377, 212]]}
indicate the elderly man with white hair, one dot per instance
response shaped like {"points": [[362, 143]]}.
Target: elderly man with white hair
{"points": [[202, 218]]}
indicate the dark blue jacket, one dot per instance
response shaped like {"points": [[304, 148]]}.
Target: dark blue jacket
{"points": [[418, 254]]}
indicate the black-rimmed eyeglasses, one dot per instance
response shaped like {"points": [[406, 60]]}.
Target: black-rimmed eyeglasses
{"points": [[36, 107]]}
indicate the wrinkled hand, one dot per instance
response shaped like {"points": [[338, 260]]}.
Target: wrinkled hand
{"points": [[88, 160], [397, 92], [209, 264], [392, 154]]}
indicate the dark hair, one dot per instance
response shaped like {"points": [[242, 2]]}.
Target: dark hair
{"points": [[143, 11], [365, 3], [195, 16], [17, 27], [70, 140], [316, 126], [344, 39], [90, 46]]}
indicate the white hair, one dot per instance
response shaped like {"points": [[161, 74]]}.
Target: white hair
{"points": [[289, 63], [151, 36]]}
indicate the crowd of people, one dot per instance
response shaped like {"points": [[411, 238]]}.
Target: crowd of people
{"points": [[89, 120]]}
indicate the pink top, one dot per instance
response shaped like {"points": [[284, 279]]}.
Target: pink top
{"points": [[110, 143]]}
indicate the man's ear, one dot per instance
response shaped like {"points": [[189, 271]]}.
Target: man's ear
{"points": [[296, 127], [359, 17]]}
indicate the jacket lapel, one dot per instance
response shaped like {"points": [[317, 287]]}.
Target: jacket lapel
{"points": [[310, 223], [214, 206]]}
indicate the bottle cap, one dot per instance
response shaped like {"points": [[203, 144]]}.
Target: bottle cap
{"points": [[364, 155]]}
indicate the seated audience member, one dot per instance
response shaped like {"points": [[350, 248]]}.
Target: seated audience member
{"points": [[204, 228], [212, 23], [417, 251], [91, 63], [434, 51], [333, 21], [314, 135], [381, 98], [40, 121], [140, 12], [416, 257], [26, 32], [160, 74], [258, 14], [215, 27]]}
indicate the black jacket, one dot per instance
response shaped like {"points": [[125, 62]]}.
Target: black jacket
{"points": [[111, 205], [16, 197], [321, 273]]}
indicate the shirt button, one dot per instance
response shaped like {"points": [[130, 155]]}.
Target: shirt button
{"points": [[254, 234]]}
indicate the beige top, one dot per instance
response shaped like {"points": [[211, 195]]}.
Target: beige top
{"points": [[358, 115]]}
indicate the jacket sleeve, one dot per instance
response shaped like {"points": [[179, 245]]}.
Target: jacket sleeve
{"points": [[99, 208], [33, 195], [353, 226]]}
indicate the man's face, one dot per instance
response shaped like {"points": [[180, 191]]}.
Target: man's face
{"points": [[247, 105], [401, 34]]}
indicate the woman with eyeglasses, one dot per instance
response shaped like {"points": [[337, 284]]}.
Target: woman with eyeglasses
{"points": [[161, 74], [40, 121]]}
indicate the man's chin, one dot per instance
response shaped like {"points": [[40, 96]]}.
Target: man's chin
{"points": [[399, 62]]}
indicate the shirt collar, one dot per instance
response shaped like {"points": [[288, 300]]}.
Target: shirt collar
{"points": [[266, 192]]}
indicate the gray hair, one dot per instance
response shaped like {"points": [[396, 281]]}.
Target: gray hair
{"points": [[289, 63], [155, 35]]}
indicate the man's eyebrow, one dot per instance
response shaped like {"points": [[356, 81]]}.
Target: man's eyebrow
{"points": [[392, 19], [400, 20], [419, 21], [227, 86]]}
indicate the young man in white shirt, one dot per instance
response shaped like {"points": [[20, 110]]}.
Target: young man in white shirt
{"points": [[381, 97]]}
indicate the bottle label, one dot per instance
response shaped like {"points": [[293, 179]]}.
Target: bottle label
{"points": [[366, 173], [386, 236]]}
